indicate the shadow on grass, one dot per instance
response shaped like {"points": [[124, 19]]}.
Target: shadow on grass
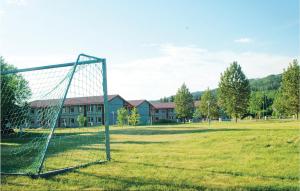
{"points": [[214, 171], [140, 181], [138, 142], [147, 131], [23, 154]]}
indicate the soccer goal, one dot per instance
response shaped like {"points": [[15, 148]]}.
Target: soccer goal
{"points": [[54, 118]]}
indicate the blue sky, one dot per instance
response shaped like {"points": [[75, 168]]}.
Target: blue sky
{"points": [[153, 46]]}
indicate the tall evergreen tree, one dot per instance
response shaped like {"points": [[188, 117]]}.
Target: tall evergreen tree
{"points": [[234, 91], [290, 88], [172, 98], [184, 104], [208, 105]]}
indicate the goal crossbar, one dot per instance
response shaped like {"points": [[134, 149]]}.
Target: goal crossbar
{"points": [[96, 60]]}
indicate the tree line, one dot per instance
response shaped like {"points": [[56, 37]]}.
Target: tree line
{"points": [[234, 98]]}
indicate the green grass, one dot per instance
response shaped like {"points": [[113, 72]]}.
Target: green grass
{"points": [[245, 156]]}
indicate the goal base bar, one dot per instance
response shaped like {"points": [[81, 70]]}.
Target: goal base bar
{"points": [[54, 172]]}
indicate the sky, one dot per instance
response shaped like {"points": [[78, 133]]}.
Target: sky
{"points": [[152, 47]]}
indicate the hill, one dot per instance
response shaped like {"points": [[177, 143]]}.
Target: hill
{"points": [[268, 83], [271, 82]]}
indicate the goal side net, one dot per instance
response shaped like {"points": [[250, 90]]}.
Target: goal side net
{"points": [[54, 117]]}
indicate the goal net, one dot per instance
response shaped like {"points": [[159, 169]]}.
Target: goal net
{"points": [[53, 117]]}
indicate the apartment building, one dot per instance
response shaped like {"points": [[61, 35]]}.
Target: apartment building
{"points": [[145, 109], [90, 107], [93, 109], [164, 111]]}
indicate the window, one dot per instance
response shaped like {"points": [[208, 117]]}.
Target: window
{"points": [[80, 109], [64, 110], [156, 118], [63, 122], [99, 108], [90, 108], [90, 119], [72, 120], [99, 120], [72, 109], [163, 111], [156, 111]]}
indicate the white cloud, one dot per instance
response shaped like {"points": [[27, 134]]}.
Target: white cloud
{"points": [[161, 75], [243, 40]]}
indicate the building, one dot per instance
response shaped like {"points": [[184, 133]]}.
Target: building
{"points": [[164, 111], [145, 109], [90, 107]]}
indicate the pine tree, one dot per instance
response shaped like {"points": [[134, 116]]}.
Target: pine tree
{"points": [[234, 91], [184, 104], [290, 88]]}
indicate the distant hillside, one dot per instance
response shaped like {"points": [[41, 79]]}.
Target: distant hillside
{"points": [[268, 83], [271, 82]]}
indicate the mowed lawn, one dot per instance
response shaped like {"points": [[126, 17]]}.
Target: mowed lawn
{"points": [[253, 155]]}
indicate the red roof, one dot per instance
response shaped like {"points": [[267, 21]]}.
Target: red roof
{"points": [[136, 103], [73, 101], [168, 105]]}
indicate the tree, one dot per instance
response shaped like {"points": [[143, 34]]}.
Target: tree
{"points": [[81, 120], [290, 88], [15, 93], [208, 105], [164, 100], [134, 117], [172, 98], [255, 104], [122, 116], [279, 105], [260, 103], [197, 114], [184, 104], [234, 91]]}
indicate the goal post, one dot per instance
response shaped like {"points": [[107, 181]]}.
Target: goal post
{"points": [[52, 117]]}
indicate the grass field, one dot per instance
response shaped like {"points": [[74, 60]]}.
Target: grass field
{"points": [[245, 156]]}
